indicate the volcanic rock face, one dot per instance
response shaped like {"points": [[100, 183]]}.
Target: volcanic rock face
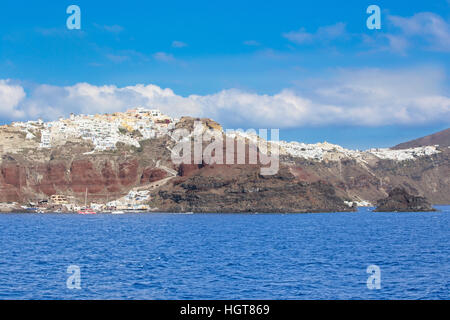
{"points": [[12, 179], [68, 171], [237, 188], [400, 200]]}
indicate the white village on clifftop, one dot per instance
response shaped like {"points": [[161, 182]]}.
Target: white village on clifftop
{"points": [[105, 131]]}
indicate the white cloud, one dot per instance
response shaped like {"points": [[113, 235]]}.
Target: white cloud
{"points": [[325, 33], [431, 27], [424, 30], [397, 43], [368, 97], [376, 96], [10, 97], [52, 101]]}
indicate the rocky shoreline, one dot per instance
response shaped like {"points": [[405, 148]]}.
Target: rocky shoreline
{"points": [[401, 201]]}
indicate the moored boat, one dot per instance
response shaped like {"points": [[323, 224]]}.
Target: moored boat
{"points": [[87, 211]]}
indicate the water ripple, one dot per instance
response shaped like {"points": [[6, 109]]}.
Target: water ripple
{"points": [[265, 256]]}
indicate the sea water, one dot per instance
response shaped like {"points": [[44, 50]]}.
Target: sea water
{"points": [[225, 256]]}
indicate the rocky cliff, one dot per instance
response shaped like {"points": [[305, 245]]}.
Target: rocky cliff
{"points": [[244, 189], [374, 178], [70, 170], [401, 201], [73, 167]]}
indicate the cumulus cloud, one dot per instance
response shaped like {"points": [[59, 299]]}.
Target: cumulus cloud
{"points": [[10, 97], [376, 96], [370, 97], [51, 102], [325, 33]]}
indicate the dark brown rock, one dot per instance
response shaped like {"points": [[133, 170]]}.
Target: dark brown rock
{"points": [[241, 188], [401, 201], [152, 175]]}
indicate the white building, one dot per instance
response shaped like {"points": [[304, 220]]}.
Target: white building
{"points": [[45, 139]]}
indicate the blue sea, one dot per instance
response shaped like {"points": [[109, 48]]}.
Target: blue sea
{"points": [[226, 256]]}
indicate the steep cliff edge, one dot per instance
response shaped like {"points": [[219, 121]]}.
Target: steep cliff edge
{"points": [[71, 170]]}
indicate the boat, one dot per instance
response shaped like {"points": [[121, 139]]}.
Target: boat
{"points": [[117, 212], [87, 211]]}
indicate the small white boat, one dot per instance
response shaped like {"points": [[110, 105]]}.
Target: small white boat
{"points": [[118, 212]]}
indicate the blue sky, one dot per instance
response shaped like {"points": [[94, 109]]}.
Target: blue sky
{"points": [[311, 68]]}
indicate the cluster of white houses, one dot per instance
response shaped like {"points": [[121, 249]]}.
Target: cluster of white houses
{"points": [[405, 154], [325, 150], [103, 130], [133, 201]]}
